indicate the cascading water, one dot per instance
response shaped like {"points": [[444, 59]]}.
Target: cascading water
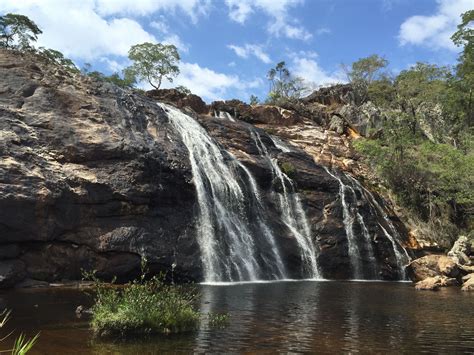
{"points": [[292, 212], [352, 214], [225, 232], [400, 252], [235, 240]]}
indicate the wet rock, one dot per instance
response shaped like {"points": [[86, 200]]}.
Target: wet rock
{"points": [[31, 283], [11, 272], [92, 177], [9, 251]]}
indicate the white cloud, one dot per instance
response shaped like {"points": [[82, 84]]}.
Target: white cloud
{"points": [[435, 31], [250, 49], [280, 24], [114, 65], [209, 84], [192, 8], [308, 69], [323, 31], [86, 34]]}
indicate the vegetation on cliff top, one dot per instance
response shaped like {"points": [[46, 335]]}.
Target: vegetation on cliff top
{"points": [[424, 150]]}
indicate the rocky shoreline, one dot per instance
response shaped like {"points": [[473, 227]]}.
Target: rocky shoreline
{"points": [[432, 272]]}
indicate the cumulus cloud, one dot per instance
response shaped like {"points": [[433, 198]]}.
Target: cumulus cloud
{"points": [[280, 24], [88, 34], [309, 69], [209, 84], [250, 50], [435, 31]]}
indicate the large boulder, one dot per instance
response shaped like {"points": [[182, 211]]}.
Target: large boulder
{"points": [[461, 250], [256, 114], [11, 272], [179, 99], [333, 95], [431, 266], [366, 119]]}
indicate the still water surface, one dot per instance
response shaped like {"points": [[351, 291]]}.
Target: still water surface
{"points": [[318, 317]]}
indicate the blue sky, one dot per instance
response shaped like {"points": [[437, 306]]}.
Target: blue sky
{"points": [[227, 46]]}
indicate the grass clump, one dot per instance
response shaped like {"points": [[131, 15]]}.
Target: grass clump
{"points": [[21, 345], [289, 169], [143, 307]]}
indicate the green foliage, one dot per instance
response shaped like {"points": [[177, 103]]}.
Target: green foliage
{"points": [[288, 168], [218, 320], [382, 92], [126, 81], [362, 73], [432, 180], [366, 69], [143, 306], [153, 62], [253, 100], [22, 345], [283, 86], [17, 32], [56, 57], [183, 90], [463, 83]]}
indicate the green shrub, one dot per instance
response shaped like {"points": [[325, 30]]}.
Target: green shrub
{"points": [[288, 168], [432, 180], [143, 307]]}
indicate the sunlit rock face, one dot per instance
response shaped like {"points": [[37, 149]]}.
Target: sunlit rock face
{"points": [[94, 177]]}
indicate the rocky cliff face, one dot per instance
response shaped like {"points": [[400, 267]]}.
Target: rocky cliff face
{"points": [[94, 177]]}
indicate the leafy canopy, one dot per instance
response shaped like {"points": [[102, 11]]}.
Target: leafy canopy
{"points": [[153, 62], [283, 85], [17, 31]]}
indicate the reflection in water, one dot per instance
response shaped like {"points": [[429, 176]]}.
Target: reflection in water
{"points": [[322, 317]]}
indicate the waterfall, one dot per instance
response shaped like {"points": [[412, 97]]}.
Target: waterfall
{"points": [[280, 144], [292, 212], [227, 196], [401, 255], [348, 214], [352, 214], [224, 115], [235, 239]]}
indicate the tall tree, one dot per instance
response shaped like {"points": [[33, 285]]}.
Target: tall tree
{"points": [[154, 62], [464, 37], [17, 31], [362, 73]]}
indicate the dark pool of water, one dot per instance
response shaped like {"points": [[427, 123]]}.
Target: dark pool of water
{"points": [[321, 317]]}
